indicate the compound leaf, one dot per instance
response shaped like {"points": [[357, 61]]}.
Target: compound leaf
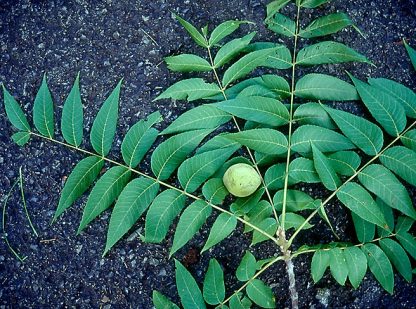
{"points": [[105, 124], [43, 110], [73, 116], [14, 112], [187, 63], [325, 87], [359, 201], [200, 117], [188, 290], [164, 208], [139, 139], [223, 226], [81, 177], [104, 193], [380, 266], [191, 220], [190, 89], [328, 52], [214, 288], [131, 204], [172, 152]]}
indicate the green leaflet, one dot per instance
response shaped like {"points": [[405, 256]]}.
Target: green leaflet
{"points": [[243, 205], [214, 191], [295, 201], [43, 110], [263, 159], [383, 107], [231, 49], [193, 32], [246, 64], [295, 221], [411, 52], [409, 139], [379, 180], [247, 268], [267, 141], [274, 7], [365, 230], [131, 204], [359, 201], [260, 294], [275, 176], [268, 225], [21, 138], [104, 193], [191, 220], [280, 59], [139, 139], [325, 140], [356, 264], [324, 169], [320, 262], [200, 117], [403, 224], [345, 162], [325, 87], [14, 112], [328, 52], [81, 177], [259, 109], [214, 288], [217, 142], [402, 162], [236, 302], [364, 134], [325, 25], [405, 96], [190, 89], [388, 215], [164, 208], [276, 84], [282, 24], [303, 170], [193, 172], [257, 214], [313, 113], [380, 266], [188, 290], [73, 116], [408, 242], [224, 29], [223, 226], [105, 124], [338, 265], [172, 152], [256, 90], [187, 63], [311, 4], [160, 301], [398, 257]]}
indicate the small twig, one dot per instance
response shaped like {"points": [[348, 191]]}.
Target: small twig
{"points": [[149, 36], [24, 202], [48, 240]]}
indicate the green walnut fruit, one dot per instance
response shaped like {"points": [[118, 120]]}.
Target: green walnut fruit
{"points": [[241, 180]]}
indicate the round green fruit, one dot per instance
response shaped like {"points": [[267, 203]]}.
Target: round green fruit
{"points": [[241, 180]]}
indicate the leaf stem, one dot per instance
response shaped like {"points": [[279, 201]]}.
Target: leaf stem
{"points": [[24, 202], [333, 194], [289, 136], [155, 180], [222, 88]]}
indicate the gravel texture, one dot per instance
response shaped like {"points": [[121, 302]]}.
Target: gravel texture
{"points": [[108, 40]]}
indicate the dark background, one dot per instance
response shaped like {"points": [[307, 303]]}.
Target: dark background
{"points": [[105, 41]]}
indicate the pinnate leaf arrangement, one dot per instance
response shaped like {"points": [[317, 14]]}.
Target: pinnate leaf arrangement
{"points": [[286, 129]]}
